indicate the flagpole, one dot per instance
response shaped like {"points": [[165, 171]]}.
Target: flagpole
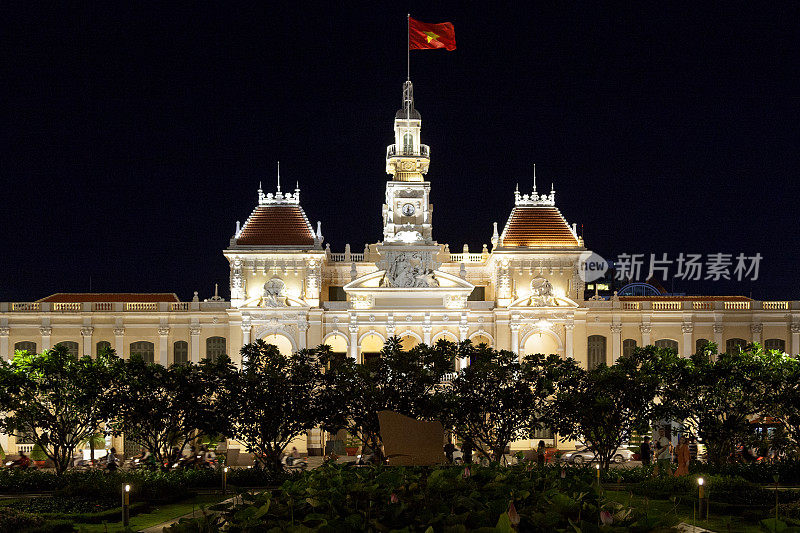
{"points": [[408, 47]]}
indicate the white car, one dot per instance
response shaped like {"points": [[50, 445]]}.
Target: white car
{"points": [[585, 455]]}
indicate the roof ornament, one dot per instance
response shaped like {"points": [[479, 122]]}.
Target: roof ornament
{"points": [[279, 197], [534, 179], [535, 199], [408, 98]]}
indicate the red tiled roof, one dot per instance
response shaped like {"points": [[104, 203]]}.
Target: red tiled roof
{"points": [[69, 297], [277, 225], [538, 226]]}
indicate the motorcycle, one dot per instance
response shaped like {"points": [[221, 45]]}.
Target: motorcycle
{"points": [[294, 463]]}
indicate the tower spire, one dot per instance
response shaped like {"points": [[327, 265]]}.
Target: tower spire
{"points": [[279, 176], [534, 178]]}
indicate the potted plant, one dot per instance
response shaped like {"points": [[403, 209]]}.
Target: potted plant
{"points": [[351, 445], [38, 457]]}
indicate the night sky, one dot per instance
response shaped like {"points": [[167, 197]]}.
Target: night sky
{"points": [[134, 140]]}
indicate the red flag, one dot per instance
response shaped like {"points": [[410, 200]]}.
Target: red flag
{"points": [[425, 36]]}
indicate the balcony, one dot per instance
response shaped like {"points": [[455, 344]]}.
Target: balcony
{"points": [[423, 151]]}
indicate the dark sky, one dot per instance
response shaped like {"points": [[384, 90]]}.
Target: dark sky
{"points": [[134, 140]]}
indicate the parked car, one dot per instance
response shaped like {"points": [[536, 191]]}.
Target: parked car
{"points": [[585, 455]]}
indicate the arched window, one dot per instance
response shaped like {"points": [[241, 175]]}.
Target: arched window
{"points": [[735, 345], [596, 347], [667, 343], [215, 347], [408, 144], [282, 342], [25, 346], [477, 340], [775, 344], [71, 346], [102, 345], [371, 347], [407, 342], [180, 352], [338, 345], [628, 345], [144, 349], [700, 345]]}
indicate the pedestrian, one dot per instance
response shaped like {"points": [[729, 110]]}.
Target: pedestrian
{"points": [[662, 453], [449, 448], [111, 460], [683, 455], [645, 452], [466, 452], [692, 448], [540, 453]]}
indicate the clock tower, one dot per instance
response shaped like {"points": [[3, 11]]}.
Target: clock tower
{"points": [[407, 212]]}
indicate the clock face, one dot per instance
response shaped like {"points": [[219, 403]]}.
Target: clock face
{"points": [[408, 209]]}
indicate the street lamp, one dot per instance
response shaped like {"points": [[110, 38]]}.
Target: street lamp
{"points": [[126, 505], [597, 467], [225, 481], [702, 505]]}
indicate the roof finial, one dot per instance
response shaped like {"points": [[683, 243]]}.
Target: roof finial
{"points": [[279, 176], [534, 178]]}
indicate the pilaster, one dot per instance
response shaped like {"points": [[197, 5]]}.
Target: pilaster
{"points": [[687, 348], [46, 332], [5, 353], [119, 340], [86, 334], [616, 341], [163, 343], [194, 332]]}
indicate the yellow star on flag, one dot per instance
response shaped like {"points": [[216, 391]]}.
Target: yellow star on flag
{"points": [[431, 36]]}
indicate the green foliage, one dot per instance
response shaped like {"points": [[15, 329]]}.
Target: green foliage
{"points": [[497, 398], [160, 408], [352, 394], [274, 399], [341, 498], [54, 399], [606, 405]]}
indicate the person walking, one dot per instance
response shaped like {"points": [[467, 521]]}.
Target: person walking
{"points": [[683, 456], [662, 453], [645, 452], [540, 453]]}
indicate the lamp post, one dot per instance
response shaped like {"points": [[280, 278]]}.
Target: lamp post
{"points": [[225, 481], [597, 467], [126, 505], [702, 505]]}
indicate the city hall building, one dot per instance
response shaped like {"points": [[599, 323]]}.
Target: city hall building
{"points": [[523, 293]]}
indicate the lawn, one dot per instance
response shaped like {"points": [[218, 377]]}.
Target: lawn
{"points": [[675, 513], [157, 515]]}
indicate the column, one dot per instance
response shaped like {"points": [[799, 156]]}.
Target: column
{"points": [[86, 333], [616, 341], [569, 329], [687, 330], [302, 332], [5, 354], [246, 328], [119, 341], [463, 332], [514, 337], [426, 333], [194, 331], [46, 331], [645, 329], [353, 328], [718, 329], [755, 331], [795, 329], [163, 338]]}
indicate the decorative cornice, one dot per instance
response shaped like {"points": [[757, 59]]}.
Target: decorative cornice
{"points": [[46, 331], [87, 331], [718, 328], [795, 327], [646, 328], [194, 329], [687, 328], [5, 331], [119, 331], [616, 328], [163, 330]]}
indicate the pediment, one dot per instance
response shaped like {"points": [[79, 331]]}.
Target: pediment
{"points": [[552, 302], [366, 292]]}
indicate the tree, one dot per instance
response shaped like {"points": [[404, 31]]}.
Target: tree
{"points": [[54, 399], [604, 406], [498, 399], [274, 399], [715, 396], [781, 397], [160, 408], [398, 381]]}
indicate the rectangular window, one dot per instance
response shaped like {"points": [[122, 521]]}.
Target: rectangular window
{"points": [[336, 294], [478, 294]]}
